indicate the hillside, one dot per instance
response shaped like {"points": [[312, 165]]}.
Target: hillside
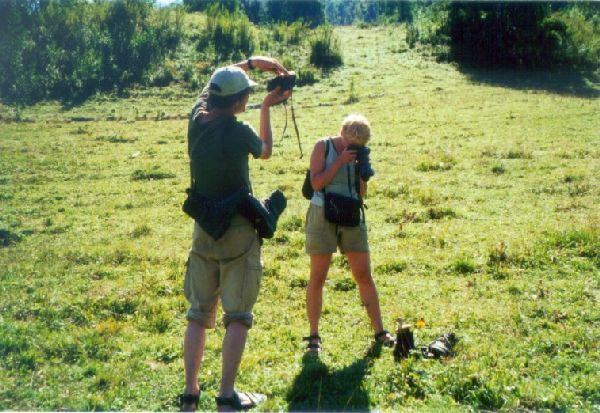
{"points": [[483, 220]]}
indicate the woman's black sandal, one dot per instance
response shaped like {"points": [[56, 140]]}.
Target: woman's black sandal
{"points": [[188, 402], [385, 338], [314, 343], [236, 403]]}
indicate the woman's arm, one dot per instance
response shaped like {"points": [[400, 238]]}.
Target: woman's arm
{"points": [[320, 176], [363, 188], [262, 63], [265, 134]]}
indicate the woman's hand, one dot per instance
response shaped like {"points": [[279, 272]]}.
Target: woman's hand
{"points": [[347, 156], [268, 64], [276, 96]]}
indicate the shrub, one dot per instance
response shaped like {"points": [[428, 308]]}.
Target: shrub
{"points": [[580, 43], [8, 237], [498, 255], [162, 76], [291, 34], [391, 267], [510, 34], [463, 266], [412, 35], [306, 75], [518, 34], [428, 164], [436, 214], [228, 32], [68, 50], [140, 231], [325, 49], [150, 175], [352, 96], [499, 169]]}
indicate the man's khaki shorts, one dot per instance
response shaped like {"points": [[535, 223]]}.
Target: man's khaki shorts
{"points": [[323, 237], [228, 268]]}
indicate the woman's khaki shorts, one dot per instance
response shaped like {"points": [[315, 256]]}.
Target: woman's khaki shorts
{"points": [[229, 268], [323, 237]]}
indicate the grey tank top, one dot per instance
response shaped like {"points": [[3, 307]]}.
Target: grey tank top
{"points": [[339, 183]]}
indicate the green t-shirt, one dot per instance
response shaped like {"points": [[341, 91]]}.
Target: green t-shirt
{"points": [[218, 152]]}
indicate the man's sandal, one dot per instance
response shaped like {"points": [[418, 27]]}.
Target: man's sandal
{"points": [[385, 338], [314, 343], [188, 402], [237, 404]]}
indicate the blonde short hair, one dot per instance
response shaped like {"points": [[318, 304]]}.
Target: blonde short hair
{"points": [[356, 128]]}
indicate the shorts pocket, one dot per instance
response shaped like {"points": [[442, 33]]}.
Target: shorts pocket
{"points": [[251, 287], [315, 220]]}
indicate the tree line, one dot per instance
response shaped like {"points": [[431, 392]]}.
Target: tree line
{"points": [[524, 34], [71, 49]]}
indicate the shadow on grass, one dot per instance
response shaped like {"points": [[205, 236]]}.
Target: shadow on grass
{"points": [[584, 84], [318, 388]]}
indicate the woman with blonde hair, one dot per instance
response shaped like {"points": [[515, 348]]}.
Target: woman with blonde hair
{"points": [[333, 170]]}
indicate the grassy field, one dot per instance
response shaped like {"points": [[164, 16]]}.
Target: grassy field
{"points": [[483, 217]]}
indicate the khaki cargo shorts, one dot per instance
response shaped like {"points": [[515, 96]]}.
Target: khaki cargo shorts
{"points": [[228, 268], [323, 237]]}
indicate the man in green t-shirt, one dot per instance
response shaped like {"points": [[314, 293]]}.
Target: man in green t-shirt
{"points": [[229, 267]]}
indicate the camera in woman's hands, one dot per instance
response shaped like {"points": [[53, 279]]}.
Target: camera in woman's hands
{"points": [[364, 164], [285, 82]]}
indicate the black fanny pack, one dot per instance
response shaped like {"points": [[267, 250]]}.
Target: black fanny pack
{"points": [[342, 210], [214, 216]]}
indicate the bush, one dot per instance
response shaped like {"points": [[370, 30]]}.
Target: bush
{"points": [[229, 33], [412, 35], [509, 34], [325, 50], [580, 40], [291, 34], [306, 75], [463, 266], [162, 76], [68, 50], [519, 34]]}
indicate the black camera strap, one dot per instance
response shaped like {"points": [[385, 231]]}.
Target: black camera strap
{"points": [[328, 142], [294, 121]]}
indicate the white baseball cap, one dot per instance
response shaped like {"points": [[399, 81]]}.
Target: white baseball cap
{"points": [[229, 80]]}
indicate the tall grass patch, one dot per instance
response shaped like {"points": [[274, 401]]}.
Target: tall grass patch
{"points": [[229, 33], [325, 49]]}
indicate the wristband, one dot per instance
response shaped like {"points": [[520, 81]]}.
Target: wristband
{"points": [[249, 63]]}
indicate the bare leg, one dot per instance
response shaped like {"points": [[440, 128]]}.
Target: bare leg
{"points": [[319, 266], [234, 343], [193, 350], [361, 270]]}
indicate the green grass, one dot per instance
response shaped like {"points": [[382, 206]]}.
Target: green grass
{"points": [[483, 220]]}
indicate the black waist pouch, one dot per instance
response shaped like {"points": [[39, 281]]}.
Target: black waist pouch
{"points": [[342, 210], [264, 214], [213, 216]]}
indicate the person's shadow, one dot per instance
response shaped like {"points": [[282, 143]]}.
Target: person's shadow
{"points": [[318, 388]]}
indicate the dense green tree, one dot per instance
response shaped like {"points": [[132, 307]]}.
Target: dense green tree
{"points": [[310, 11], [254, 9], [398, 11], [69, 49], [203, 5], [342, 12], [503, 33]]}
